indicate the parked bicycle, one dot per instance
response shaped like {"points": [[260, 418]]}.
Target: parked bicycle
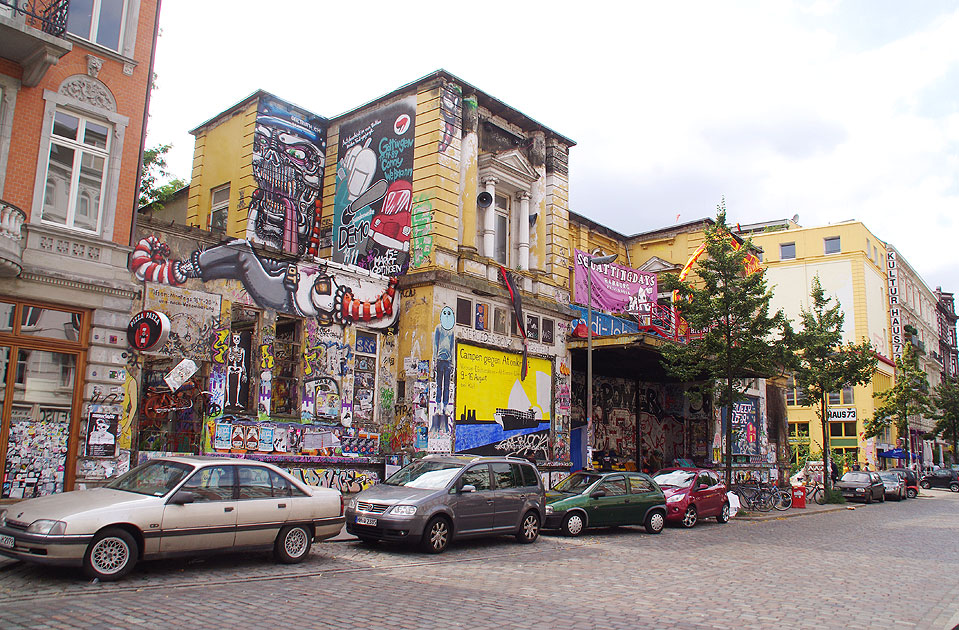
{"points": [[815, 492]]}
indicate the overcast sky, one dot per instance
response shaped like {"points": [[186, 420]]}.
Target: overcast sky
{"points": [[829, 110]]}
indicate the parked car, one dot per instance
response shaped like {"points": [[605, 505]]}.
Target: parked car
{"points": [[172, 506], [438, 498], [599, 499], [894, 483], [942, 478], [912, 481], [692, 494], [861, 485]]}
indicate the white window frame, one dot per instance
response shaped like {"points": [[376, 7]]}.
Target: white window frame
{"points": [[502, 217], [221, 206], [80, 149], [126, 38]]}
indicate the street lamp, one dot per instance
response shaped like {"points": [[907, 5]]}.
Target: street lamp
{"points": [[590, 260]]}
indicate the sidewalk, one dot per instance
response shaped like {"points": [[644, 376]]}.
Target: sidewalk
{"points": [[806, 511]]}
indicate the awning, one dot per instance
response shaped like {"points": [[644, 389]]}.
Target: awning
{"points": [[896, 453]]}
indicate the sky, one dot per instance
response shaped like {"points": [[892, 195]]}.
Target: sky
{"points": [[823, 109]]}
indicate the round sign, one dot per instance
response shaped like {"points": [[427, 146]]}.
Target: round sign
{"points": [[148, 330]]}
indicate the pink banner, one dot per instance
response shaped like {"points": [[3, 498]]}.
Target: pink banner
{"points": [[616, 289]]}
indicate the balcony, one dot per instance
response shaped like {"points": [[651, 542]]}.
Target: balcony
{"points": [[11, 239], [30, 35]]}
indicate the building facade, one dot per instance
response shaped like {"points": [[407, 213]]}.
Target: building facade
{"points": [[74, 87]]}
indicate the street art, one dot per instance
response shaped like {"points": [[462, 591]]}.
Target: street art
{"points": [[344, 480], [525, 445], [306, 290], [449, 113], [289, 154], [237, 367], [495, 403], [745, 427], [443, 360], [422, 226], [373, 197], [193, 316]]}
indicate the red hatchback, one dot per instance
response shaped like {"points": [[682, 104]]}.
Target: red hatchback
{"points": [[692, 494]]}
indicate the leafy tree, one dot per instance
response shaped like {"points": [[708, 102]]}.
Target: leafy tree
{"points": [[155, 169], [907, 397], [945, 399], [825, 365], [732, 307]]}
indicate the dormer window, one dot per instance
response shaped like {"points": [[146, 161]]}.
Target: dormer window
{"points": [[504, 226]]}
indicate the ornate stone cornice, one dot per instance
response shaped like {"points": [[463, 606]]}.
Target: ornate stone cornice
{"points": [[89, 90], [28, 276]]}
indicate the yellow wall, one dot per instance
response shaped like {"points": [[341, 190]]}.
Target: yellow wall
{"points": [[223, 154]]}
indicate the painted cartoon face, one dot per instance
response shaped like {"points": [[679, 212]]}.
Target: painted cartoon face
{"points": [[447, 319], [236, 339]]}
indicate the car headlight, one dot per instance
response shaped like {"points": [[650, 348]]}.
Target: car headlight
{"points": [[676, 498], [3, 518], [549, 510], [47, 527], [403, 510], [351, 504], [860, 489]]}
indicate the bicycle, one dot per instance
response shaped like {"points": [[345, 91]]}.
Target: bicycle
{"points": [[815, 492], [755, 497]]}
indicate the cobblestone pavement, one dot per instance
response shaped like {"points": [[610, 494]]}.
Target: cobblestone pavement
{"points": [[890, 565]]}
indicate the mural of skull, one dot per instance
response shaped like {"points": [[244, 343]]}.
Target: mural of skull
{"points": [[288, 160]]}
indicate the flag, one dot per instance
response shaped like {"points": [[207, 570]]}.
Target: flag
{"points": [[517, 300]]}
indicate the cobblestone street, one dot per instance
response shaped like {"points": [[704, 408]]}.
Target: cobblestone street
{"points": [[890, 565]]}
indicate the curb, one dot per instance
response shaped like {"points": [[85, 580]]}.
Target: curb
{"points": [[790, 514]]}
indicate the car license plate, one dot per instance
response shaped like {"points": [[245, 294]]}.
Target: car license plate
{"points": [[363, 520], [6, 541]]}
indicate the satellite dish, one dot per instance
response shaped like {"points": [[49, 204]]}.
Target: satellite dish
{"points": [[795, 218]]}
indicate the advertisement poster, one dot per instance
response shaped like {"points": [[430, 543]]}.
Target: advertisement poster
{"points": [[102, 433], [615, 288], [745, 427], [372, 207]]}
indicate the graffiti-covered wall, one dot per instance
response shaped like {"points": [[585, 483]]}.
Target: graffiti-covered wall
{"points": [[372, 207]]}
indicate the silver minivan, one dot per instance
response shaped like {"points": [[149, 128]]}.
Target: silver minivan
{"points": [[441, 497]]}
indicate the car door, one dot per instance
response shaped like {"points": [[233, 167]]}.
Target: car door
{"points": [[473, 511], [611, 508], [642, 496], [509, 495], [209, 522], [263, 505], [703, 494], [717, 492]]}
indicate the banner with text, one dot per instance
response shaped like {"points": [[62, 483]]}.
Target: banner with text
{"points": [[616, 288]]}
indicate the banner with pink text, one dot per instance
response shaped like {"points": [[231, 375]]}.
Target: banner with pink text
{"points": [[616, 288]]}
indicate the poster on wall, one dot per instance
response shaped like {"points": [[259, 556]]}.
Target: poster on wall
{"points": [[289, 155], [102, 433], [745, 427], [615, 288], [372, 207], [192, 315], [497, 411], [36, 451]]}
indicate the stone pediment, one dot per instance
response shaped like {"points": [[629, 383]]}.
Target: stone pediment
{"points": [[655, 264], [510, 166]]}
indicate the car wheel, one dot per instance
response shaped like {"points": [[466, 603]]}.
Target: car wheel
{"points": [[869, 497], [925, 485], [723, 516], [529, 528], [954, 487], [882, 497], [690, 517], [292, 544], [911, 493], [654, 522], [574, 524], [436, 536], [112, 554]]}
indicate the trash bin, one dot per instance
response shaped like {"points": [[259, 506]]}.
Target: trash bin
{"points": [[799, 496]]}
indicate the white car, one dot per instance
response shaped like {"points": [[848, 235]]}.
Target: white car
{"points": [[172, 506]]}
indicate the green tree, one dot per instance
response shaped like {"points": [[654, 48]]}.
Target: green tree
{"points": [[825, 364], [155, 170], [907, 397], [732, 307], [945, 399]]}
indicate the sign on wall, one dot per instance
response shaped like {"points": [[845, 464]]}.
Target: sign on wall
{"points": [[372, 207], [842, 414], [148, 330], [745, 427], [615, 288]]}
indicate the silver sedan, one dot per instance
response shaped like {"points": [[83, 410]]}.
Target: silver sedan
{"points": [[172, 506]]}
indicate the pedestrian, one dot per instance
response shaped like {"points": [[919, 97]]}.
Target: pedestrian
{"points": [[855, 466], [834, 471]]}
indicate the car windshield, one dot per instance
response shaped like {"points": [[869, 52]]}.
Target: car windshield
{"points": [[576, 483], [856, 477], [675, 478], [155, 478], [889, 476], [426, 475]]}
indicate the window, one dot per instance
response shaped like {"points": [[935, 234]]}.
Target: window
{"points": [[799, 431], [213, 483], [99, 21], [482, 317], [476, 476], [614, 486], [547, 331], [639, 485], [787, 251], [499, 320], [255, 482], [831, 245], [843, 398], [506, 475], [501, 230], [219, 207], [284, 399], [532, 327], [842, 429], [76, 167], [530, 478], [795, 395], [464, 312], [868, 251]]}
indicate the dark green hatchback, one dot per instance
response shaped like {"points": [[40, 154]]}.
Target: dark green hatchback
{"points": [[603, 499]]}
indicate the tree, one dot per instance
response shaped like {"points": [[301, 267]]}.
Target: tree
{"points": [[945, 399], [732, 307], [155, 168], [907, 397], [825, 365]]}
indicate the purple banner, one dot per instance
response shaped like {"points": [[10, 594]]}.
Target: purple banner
{"points": [[616, 289]]}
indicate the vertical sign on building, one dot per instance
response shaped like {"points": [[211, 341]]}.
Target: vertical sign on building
{"points": [[895, 315]]}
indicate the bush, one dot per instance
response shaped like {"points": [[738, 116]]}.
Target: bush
{"points": [[834, 496]]}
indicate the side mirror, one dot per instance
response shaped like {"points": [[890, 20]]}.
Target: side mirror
{"points": [[468, 488], [183, 497], [597, 494], [702, 486]]}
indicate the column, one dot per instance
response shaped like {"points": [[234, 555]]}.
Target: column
{"points": [[523, 244], [489, 227]]}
